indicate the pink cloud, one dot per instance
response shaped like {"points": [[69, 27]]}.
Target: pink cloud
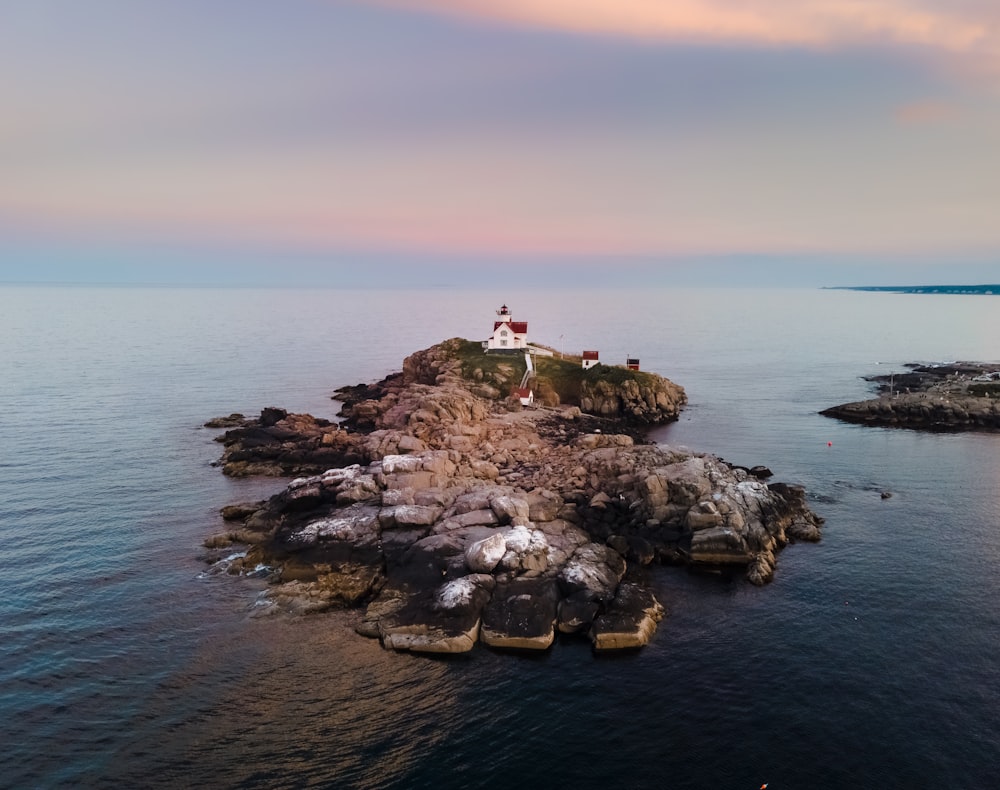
{"points": [[391, 229], [966, 28]]}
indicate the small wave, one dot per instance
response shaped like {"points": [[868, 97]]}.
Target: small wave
{"points": [[222, 566], [260, 571]]}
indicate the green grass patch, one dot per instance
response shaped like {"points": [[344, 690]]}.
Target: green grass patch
{"points": [[490, 366], [564, 376]]}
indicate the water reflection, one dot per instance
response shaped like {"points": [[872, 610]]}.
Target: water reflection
{"points": [[287, 702]]}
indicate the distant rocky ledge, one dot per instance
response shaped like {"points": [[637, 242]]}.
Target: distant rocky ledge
{"points": [[982, 290], [453, 515], [960, 396]]}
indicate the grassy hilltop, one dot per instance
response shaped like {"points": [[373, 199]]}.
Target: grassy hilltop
{"points": [[603, 389]]}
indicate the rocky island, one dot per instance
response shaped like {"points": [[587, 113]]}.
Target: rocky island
{"points": [[960, 396], [453, 514]]}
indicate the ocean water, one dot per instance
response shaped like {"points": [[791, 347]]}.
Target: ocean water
{"points": [[871, 661]]}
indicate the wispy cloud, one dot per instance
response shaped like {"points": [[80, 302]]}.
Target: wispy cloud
{"points": [[961, 27], [926, 111], [387, 124]]}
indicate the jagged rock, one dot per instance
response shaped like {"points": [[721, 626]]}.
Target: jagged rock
{"points": [[643, 398], [543, 505], [704, 515], [687, 482], [241, 511], [278, 443], [272, 416], [593, 441], [761, 569], [510, 510], [409, 516], [304, 497], [485, 470], [594, 570], [453, 519], [719, 546], [234, 420], [219, 541], [804, 530]]}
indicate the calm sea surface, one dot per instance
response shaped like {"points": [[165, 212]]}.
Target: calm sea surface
{"points": [[871, 661]]}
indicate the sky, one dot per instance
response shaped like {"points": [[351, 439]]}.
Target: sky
{"points": [[808, 142]]}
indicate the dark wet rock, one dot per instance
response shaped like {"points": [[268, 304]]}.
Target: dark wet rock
{"points": [[271, 416], [576, 612], [234, 420], [593, 571], [444, 619], [640, 551], [240, 511], [629, 621], [521, 614], [280, 444], [219, 541]]}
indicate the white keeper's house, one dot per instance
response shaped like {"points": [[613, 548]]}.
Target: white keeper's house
{"points": [[508, 334]]}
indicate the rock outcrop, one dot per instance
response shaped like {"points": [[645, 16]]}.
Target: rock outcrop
{"points": [[279, 444], [638, 397], [454, 518], [963, 396], [626, 396]]}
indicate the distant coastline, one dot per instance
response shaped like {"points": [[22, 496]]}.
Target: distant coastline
{"points": [[985, 290]]}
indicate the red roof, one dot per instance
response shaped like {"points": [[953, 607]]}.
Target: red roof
{"points": [[590, 355], [517, 327]]}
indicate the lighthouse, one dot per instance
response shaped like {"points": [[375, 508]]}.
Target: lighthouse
{"points": [[508, 334]]}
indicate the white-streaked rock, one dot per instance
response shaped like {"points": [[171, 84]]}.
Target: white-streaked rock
{"points": [[483, 556]]}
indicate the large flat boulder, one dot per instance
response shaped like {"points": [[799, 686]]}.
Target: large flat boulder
{"points": [[629, 621], [445, 621], [521, 615]]}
